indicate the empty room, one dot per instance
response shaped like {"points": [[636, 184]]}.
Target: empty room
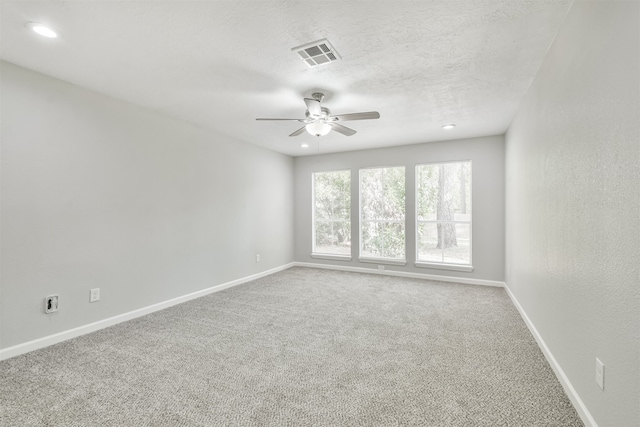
{"points": [[342, 213]]}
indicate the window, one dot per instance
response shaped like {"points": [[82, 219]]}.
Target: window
{"points": [[443, 205], [332, 213], [382, 213]]}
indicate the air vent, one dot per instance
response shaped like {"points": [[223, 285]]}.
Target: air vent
{"points": [[317, 53]]}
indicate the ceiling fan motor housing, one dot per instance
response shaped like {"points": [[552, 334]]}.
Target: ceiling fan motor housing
{"points": [[325, 114]]}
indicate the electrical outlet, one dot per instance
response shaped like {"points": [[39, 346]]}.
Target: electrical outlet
{"points": [[51, 304], [600, 373], [381, 267], [257, 257], [94, 295]]}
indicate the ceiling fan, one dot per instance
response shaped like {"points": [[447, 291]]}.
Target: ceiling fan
{"points": [[319, 121]]}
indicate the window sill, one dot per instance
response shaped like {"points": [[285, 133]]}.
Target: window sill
{"points": [[332, 257], [454, 267], [383, 261]]}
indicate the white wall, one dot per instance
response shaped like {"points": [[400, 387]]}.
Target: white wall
{"points": [[487, 157], [100, 193], [573, 205]]}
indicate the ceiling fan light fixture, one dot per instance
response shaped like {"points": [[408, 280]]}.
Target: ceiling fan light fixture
{"points": [[449, 126], [318, 128]]}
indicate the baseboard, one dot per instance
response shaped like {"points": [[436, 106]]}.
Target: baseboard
{"points": [[39, 343], [464, 280], [101, 324], [582, 410]]}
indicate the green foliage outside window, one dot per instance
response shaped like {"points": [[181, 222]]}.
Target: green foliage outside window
{"points": [[332, 212], [382, 201], [444, 212]]}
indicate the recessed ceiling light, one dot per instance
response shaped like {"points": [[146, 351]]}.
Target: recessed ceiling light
{"points": [[42, 30], [449, 126], [304, 145]]}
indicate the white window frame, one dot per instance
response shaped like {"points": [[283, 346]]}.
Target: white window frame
{"points": [[380, 260], [322, 255], [443, 265]]}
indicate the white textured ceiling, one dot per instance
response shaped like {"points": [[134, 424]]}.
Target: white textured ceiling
{"points": [[221, 64]]}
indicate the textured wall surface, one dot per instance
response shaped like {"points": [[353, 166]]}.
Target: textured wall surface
{"points": [[487, 157], [573, 203], [99, 193]]}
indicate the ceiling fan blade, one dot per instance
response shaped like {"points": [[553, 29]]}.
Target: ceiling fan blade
{"points": [[357, 116], [313, 105], [298, 120], [298, 132], [342, 129]]}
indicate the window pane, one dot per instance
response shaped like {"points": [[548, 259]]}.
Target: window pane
{"points": [[333, 238], [323, 235], [369, 240], [370, 193], [459, 250], [332, 191], [444, 196], [382, 240], [332, 212], [444, 191], [427, 185], [466, 174], [392, 240], [382, 193], [382, 202], [428, 249]]}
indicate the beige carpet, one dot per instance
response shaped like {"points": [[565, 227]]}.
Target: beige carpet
{"points": [[303, 347]]}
